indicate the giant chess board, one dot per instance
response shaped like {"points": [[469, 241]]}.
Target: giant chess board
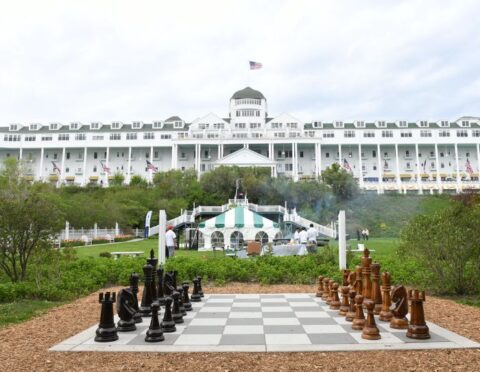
{"points": [[264, 323]]}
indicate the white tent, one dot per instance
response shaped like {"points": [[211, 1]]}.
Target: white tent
{"points": [[235, 226]]}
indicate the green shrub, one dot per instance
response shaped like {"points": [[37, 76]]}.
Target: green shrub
{"points": [[105, 254]]}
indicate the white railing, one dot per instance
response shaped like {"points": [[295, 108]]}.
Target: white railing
{"points": [[324, 230], [79, 234]]}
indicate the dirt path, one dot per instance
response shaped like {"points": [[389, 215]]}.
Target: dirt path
{"points": [[23, 347]]}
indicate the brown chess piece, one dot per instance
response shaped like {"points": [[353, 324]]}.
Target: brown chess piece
{"points": [[399, 307], [326, 290], [335, 301], [370, 330], [344, 307], [417, 327], [376, 293], [358, 280], [366, 270], [351, 308], [351, 280], [385, 314], [345, 274], [320, 286], [359, 320], [330, 291]]}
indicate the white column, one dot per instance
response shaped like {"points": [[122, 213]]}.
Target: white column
{"points": [[40, 171], [151, 170], [360, 166], [379, 168], [20, 153], [342, 242], [107, 163], [62, 168], [319, 159], [295, 161], [397, 167], [219, 152], [173, 164], [457, 165], [340, 160], [437, 167], [162, 227], [129, 175], [317, 170], [67, 230], [478, 161], [84, 182], [419, 178]]}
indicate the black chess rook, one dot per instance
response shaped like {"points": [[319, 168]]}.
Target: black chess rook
{"points": [[106, 331]]}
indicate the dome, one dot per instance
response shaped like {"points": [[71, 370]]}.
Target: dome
{"points": [[248, 93]]}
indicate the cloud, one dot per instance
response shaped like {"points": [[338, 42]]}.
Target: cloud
{"points": [[323, 60]]}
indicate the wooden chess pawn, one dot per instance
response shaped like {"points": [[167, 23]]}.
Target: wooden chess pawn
{"points": [[359, 320], [385, 314], [330, 291], [417, 328], [320, 286], [344, 307], [351, 280], [351, 308], [370, 330], [399, 307], [376, 292], [326, 292], [335, 301]]}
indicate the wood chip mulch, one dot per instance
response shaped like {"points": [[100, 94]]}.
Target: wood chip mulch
{"points": [[24, 347]]}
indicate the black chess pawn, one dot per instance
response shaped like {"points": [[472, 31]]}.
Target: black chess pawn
{"points": [[176, 313], [147, 297], [195, 295], [106, 331], [155, 333], [200, 290], [134, 279], [186, 300], [126, 311], [168, 324], [180, 301], [153, 261], [160, 292]]}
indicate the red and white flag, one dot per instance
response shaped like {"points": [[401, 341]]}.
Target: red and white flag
{"points": [[468, 168], [255, 65]]}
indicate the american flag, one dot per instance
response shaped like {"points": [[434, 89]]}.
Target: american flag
{"points": [[346, 165], [468, 168], [255, 65], [152, 167], [424, 165], [105, 168], [56, 168]]}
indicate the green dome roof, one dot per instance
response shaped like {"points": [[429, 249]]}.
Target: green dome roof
{"points": [[248, 93]]}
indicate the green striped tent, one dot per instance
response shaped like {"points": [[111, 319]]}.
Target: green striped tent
{"points": [[239, 217]]}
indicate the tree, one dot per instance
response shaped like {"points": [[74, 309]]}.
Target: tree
{"points": [[138, 181], [117, 179], [29, 218], [342, 183]]}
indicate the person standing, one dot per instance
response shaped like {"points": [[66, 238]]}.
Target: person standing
{"points": [[367, 233], [303, 236], [358, 235], [363, 234], [296, 236], [312, 235], [170, 241]]}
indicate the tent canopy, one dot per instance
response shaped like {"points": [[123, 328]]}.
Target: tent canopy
{"points": [[238, 217]]}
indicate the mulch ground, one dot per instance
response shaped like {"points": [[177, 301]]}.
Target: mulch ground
{"points": [[25, 346]]}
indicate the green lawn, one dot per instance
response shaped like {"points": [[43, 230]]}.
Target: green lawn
{"points": [[382, 247], [20, 311]]}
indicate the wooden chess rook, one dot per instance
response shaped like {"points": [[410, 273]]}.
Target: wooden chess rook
{"points": [[417, 327]]}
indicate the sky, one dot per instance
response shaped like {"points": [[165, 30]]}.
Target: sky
{"points": [[64, 61]]}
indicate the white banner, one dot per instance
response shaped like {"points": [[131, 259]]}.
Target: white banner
{"points": [[147, 219]]}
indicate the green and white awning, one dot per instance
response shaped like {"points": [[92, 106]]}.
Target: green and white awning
{"points": [[239, 217]]}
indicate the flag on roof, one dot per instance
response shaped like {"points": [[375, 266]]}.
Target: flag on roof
{"points": [[104, 167], [468, 168], [255, 65], [55, 168], [152, 167]]}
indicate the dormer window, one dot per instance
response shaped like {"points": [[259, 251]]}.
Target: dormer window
{"points": [[157, 124], [424, 123], [382, 124], [178, 124], [14, 127], [95, 125], [74, 126], [360, 124], [33, 126], [136, 124], [53, 126], [338, 124], [444, 123], [317, 124], [402, 124], [465, 123], [116, 125]]}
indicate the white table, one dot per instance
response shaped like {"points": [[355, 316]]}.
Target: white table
{"points": [[117, 255], [287, 250]]}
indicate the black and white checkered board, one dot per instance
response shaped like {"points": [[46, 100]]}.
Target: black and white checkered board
{"points": [[264, 322]]}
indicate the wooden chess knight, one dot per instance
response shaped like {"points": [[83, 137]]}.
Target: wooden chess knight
{"points": [[399, 307], [417, 327]]}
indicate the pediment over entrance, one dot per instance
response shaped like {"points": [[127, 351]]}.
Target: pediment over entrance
{"points": [[245, 158]]}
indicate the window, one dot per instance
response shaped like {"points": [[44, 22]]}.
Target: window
{"points": [[349, 134], [63, 137], [95, 155], [218, 125], [406, 134], [292, 125], [155, 155], [294, 134], [212, 135], [148, 135], [425, 133], [374, 153], [444, 124], [240, 135], [53, 126], [115, 136], [328, 134], [402, 124], [288, 167], [97, 138], [317, 124], [369, 134], [465, 124], [256, 135], [217, 239], [157, 124], [444, 133], [462, 133], [74, 126], [165, 136], [247, 113], [301, 154], [387, 133], [236, 239], [95, 125], [476, 133], [279, 134], [240, 125], [11, 138], [327, 154], [131, 136], [338, 124], [276, 125], [360, 124], [94, 169], [67, 155], [385, 154], [382, 124], [254, 125], [197, 135], [261, 237], [47, 138], [203, 125], [30, 138], [14, 127], [310, 133], [80, 137], [136, 124], [407, 154], [116, 125], [424, 123], [432, 154], [248, 101], [177, 124], [33, 126]]}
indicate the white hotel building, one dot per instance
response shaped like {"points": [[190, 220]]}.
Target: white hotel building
{"points": [[384, 156]]}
